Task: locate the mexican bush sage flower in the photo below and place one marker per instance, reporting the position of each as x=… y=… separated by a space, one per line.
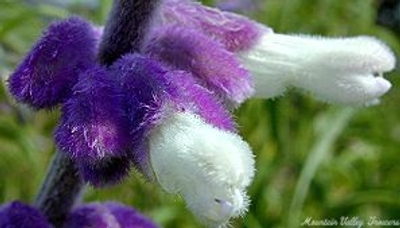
x=152 y=93
x=212 y=165
x=107 y=215
x=337 y=70
x=19 y=215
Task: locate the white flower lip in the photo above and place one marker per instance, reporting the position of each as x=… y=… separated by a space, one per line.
x=338 y=70
x=210 y=168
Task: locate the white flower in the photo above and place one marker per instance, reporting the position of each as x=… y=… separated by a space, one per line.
x=208 y=167
x=337 y=70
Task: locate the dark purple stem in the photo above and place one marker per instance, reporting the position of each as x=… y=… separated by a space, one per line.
x=60 y=190
x=125 y=30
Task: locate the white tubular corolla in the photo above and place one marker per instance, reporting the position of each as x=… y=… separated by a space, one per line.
x=337 y=70
x=208 y=167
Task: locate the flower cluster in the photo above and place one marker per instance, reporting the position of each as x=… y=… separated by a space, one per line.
x=166 y=111
x=99 y=215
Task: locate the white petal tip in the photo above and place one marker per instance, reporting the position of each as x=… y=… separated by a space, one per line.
x=209 y=167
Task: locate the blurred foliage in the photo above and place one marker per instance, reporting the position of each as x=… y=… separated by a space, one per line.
x=313 y=159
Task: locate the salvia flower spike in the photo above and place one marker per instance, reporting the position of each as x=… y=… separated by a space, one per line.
x=166 y=110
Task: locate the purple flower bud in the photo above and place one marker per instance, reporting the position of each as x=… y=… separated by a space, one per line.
x=93 y=124
x=235 y=32
x=46 y=75
x=19 y=215
x=107 y=215
x=189 y=50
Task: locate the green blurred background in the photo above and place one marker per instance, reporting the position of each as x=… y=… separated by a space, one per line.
x=313 y=159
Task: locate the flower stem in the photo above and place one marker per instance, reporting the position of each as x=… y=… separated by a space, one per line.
x=126 y=28
x=60 y=189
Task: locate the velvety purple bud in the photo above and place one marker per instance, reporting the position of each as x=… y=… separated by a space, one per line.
x=94 y=125
x=46 y=75
x=91 y=215
x=145 y=89
x=105 y=172
x=186 y=49
x=19 y=215
x=196 y=99
x=128 y=217
x=107 y=215
x=235 y=32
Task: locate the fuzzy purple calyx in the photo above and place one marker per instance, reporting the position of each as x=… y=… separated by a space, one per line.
x=93 y=123
x=49 y=71
x=94 y=128
x=107 y=215
x=192 y=97
x=235 y=32
x=145 y=91
x=152 y=90
x=18 y=215
x=189 y=50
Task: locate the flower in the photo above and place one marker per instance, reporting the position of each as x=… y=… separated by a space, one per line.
x=337 y=70
x=107 y=215
x=211 y=168
x=152 y=93
x=18 y=215
x=187 y=150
